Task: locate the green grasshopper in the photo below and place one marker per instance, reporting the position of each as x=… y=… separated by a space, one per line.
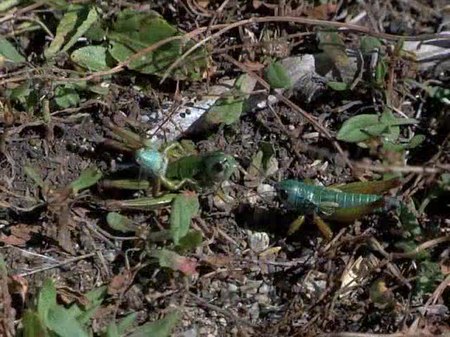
x=341 y=203
x=199 y=171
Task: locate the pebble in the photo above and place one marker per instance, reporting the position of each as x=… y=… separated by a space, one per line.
x=258 y=241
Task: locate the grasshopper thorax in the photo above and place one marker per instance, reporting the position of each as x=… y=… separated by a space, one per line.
x=296 y=195
x=152 y=162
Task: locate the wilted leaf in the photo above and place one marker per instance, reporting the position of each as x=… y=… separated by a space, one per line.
x=159 y=328
x=91 y=57
x=184 y=207
x=172 y=260
x=88 y=178
x=381 y=295
x=277 y=76
x=120 y=223
x=9 y=53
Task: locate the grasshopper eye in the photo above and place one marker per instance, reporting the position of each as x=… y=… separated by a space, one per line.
x=218 y=167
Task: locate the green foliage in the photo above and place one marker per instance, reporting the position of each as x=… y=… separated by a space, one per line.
x=190 y=241
x=8 y=53
x=184 y=207
x=226 y=110
x=120 y=223
x=429 y=275
x=87 y=178
x=160 y=328
x=277 y=76
x=66 y=96
x=135 y=30
x=50 y=319
x=363 y=127
x=92 y=58
x=338 y=86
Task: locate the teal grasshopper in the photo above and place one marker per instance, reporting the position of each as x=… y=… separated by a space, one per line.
x=195 y=170
x=340 y=203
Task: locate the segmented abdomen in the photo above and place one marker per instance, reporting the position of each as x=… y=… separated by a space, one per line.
x=318 y=195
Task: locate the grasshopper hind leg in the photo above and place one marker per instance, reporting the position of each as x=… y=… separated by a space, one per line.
x=323 y=227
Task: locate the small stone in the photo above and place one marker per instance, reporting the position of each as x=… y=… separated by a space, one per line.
x=232 y=288
x=258 y=241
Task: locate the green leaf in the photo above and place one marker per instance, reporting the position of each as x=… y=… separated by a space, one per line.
x=134 y=31
x=120 y=223
x=88 y=178
x=112 y=331
x=159 y=328
x=353 y=129
x=410 y=246
x=369 y=44
x=389 y=119
x=429 y=276
x=63 y=324
x=338 y=86
x=57 y=4
x=408 y=219
x=66 y=97
x=9 y=53
x=191 y=240
x=225 y=111
x=90 y=19
x=277 y=76
x=33 y=326
x=84 y=314
x=416 y=141
x=126 y=323
x=375 y=130
x=65 y=27
x=46 y=300
x=91 y=57
x=184 y=207
x=7 y=4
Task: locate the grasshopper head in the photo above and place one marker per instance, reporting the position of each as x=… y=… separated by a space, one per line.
x=287 y=192
x=219 y=166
